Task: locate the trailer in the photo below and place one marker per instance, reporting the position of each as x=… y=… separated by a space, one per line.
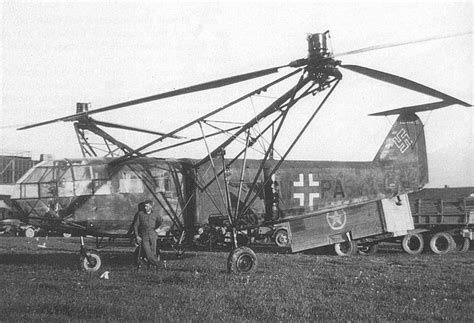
x=443 y=220
x=353 y=230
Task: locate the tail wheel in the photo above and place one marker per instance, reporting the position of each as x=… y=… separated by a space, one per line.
x=368 y=249
x=30 y=233
x=462 y=244
x=281 y=238
x=242 y=261
x=413 y=244
x=91 y=262
x=442 y=243
x=346 y=248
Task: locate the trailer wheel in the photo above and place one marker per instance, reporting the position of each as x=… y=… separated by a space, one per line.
x=242 y=261
x=30 y=233
x=462 y=244
x=413 y=244
x=346 y=248
x=442 y=243
x=281 y=238
x=368 y=249
x=90 y=262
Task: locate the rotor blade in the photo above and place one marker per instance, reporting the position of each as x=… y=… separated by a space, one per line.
x=190 y=89
x=377 y=47
x=415 y=108
x=403 y=82
x=119 y=126
x=12 y=126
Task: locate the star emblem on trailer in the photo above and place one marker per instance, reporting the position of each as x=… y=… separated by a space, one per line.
x=336 y=219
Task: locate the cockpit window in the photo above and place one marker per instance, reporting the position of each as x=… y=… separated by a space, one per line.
x=36 y=175
x=130 y=182
x=82 y=183
x=82 y=173
x=29 y=190
x=48 y=189
x=166 y=181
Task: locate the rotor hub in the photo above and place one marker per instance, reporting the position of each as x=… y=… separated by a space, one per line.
x=319 y=45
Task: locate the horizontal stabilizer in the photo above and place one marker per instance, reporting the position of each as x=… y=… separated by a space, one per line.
x=416 y=108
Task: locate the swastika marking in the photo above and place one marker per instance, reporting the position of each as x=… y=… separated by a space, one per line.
x=402 y=140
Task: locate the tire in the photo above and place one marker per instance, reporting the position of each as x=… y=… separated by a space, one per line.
x=30 y=233
x=281 y=238
x=370 y=249
x=462 y=244
x=413 y=244
x=91 y=263
x=67 y=235
x=346 y=248
x=242 y=261
x=442 y=243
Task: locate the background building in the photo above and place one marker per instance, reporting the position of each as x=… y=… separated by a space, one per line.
x=13 y=165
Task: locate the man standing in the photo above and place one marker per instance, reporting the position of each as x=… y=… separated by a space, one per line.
x=145 y=224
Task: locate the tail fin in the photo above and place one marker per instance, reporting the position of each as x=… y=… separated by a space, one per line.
x=402 y=155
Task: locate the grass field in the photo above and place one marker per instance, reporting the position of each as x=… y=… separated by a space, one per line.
x=45 y=284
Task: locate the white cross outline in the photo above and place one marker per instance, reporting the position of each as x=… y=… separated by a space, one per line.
x=300 y=182
x=301 y=196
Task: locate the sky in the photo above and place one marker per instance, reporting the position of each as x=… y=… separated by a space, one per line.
x=57 y=53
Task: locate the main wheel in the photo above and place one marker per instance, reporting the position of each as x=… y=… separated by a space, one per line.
x=413 y=244
x=462 y=244
x=368 y=249
x=242 y=261
x=346 y=248
x=30 y=233
x=91 y=262
x=281 y=238
x=442 y=243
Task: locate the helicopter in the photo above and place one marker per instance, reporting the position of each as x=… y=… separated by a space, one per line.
x=318 y=203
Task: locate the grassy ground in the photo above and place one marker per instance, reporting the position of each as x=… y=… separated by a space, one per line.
x=44 y=284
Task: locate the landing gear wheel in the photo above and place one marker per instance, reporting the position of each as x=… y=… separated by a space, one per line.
x=442 y=243
x=30 y=233
x=281 y=238
x=368 y=249
x=242 y=261
x=462 y=244
x=413 y=244
x=90 y=262
x=346 y=248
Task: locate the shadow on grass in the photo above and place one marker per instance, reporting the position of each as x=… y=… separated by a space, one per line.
x=70 y=260
x=56 y=260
